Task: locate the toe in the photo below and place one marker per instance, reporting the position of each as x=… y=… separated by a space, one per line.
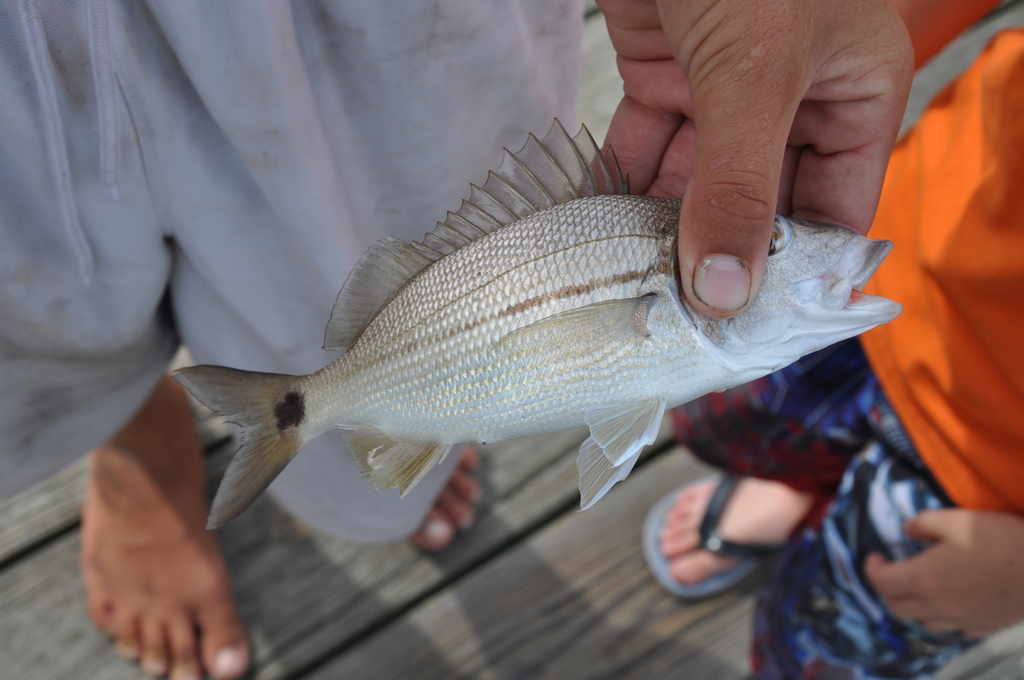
x=456 y=508
x=126 y=638
x=127 y=647
x=154 y=648
x=675 y=544
x=224 y=649
x=470 y=459
x=435 y=533
x=186 y=671
x=698 y=566
x=679 y=536
x=101 y=612
x=467 y=488
x=181 y=638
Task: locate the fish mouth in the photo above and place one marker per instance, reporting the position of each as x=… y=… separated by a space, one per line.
x=861 y=258
x=837 y=293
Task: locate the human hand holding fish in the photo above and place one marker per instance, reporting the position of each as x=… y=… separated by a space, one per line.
x=548 y=301
x=746 y=109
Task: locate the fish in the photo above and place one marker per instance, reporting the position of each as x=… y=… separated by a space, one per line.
x=550 y=300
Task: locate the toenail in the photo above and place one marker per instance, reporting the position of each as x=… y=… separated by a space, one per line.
x=154 y=666
x=185 y=671
x=438 y=530
x=229 y=662
x=127 y=649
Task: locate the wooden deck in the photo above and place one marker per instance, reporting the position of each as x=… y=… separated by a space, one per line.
x=533 y=590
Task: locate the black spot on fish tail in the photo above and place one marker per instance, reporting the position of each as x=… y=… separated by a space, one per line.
x=290 y=410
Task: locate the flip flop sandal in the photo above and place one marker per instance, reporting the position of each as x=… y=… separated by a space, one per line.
x=750 y=554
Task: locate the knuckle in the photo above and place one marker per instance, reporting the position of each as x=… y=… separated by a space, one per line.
x=743 y=195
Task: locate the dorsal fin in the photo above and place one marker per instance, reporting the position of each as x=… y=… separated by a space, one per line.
x=541 y=175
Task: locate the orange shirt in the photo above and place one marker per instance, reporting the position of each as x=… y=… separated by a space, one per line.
x=953 y=203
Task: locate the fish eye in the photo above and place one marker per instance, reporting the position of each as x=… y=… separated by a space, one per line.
x=782 y=235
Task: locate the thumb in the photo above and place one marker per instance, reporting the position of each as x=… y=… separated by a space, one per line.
x=745 y=92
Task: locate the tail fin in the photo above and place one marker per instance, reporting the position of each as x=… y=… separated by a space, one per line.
x=270 y=408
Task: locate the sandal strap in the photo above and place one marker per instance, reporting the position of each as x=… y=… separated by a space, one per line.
x=711 y=538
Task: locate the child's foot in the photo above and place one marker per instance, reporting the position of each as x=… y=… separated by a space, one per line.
x=453 y=510
x=760 y=511
x=155 y=580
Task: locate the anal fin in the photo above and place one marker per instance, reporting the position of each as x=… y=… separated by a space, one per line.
x=597 y=474
x=622 y=430
x=389 y=462
x=618 y=434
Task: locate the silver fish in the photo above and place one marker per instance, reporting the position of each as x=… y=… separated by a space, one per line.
x=548 y=301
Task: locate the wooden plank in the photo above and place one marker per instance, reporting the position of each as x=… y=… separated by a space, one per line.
x=573 y=601
x=37 y=513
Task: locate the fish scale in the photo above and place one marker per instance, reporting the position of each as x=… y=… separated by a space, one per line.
x=443 y=312
x=520 y=316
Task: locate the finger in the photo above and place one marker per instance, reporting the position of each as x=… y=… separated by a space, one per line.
x=790 y=163
x=743 y=110
x=930 y=525
x=842 y=188
x=977 y=632
x=908 y=608
x=843 y=163
x=657 y=84
x=676 y=164
x=892 y=580
x=639 y=136
x=939 y=624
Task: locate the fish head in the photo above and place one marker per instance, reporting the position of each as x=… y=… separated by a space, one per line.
x=810 y=298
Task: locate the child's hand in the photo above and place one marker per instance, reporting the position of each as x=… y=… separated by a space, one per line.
x=971 y=580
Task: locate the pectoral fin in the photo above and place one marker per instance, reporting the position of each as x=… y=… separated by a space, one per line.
x=389 y=462
x=623 y=430
x=597 y=474
x=591 y=325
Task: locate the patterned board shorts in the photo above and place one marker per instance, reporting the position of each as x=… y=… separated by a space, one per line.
x=824 y=426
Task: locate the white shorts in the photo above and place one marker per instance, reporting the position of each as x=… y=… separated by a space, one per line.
x=211 y=172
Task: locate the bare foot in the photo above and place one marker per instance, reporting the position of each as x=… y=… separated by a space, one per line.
x=760 y=511
x=154 y=578
x=453 y=510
